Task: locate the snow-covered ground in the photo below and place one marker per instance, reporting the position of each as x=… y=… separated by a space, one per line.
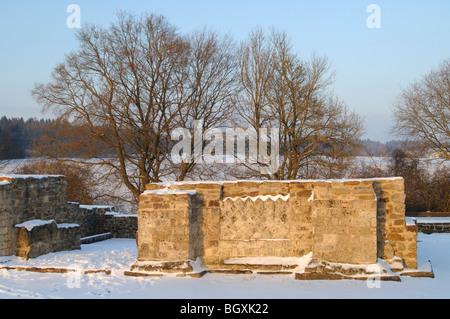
x=118 y=254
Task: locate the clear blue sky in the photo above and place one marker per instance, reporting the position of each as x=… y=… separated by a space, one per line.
x=372 y=65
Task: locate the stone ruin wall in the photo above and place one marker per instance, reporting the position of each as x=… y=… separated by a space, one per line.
x=25 y=199
x=36 y=218
x=348 y=221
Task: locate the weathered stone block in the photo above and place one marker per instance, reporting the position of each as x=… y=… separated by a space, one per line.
x=38 y=237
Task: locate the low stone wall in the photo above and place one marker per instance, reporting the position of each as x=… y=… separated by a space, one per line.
x=431 y=227
x=38 y=237
x=28 y=197
x=120 y=225
x=348 y=221
x=43 y=200
x=431 y=222
x=99 y=219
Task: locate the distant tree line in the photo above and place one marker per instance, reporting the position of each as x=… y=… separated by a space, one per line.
x=20 y=138
x=384 y=149
x=17 y=136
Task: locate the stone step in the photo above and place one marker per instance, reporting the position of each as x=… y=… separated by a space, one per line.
x=95 y=238
x=182 y=266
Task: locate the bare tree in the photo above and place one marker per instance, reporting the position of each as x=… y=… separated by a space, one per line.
x=422 y=111
x=212 y=71
x=130 y=86
x=80 y=182
x=317 y=133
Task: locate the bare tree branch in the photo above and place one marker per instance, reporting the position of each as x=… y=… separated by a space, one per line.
x=422 y=112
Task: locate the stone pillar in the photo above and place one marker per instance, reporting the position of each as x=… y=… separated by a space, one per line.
x=169 y=237
x=395 y=238
x=209 y=195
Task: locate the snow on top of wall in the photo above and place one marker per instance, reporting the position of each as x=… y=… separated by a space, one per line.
x=91 y=207
x=261 y=197
x=409 y=221
x=4 y=183
x=299 y=262
x=67 y=225
x=167 y=191
x=30 y=224
x=96 y=235
x=118 y=214
x=430 y=220
x=168 y=183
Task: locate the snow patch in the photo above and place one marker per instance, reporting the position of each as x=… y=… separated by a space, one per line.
x=93 y=236
x=168 y=184
x=67 y=225
x=432 y=220
x=30 y=224
x=91 y=207
x=119 y=254
x=117 y=214
x=167 y=191
x=366 y=268
x=409 y=221
x=299 y=262
x=197 y=266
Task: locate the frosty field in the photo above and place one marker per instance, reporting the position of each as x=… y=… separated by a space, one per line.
x=118 y=254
